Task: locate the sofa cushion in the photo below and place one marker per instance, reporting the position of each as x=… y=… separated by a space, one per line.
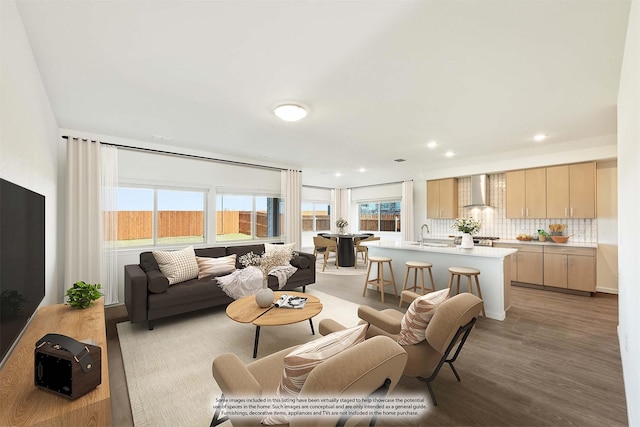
x=299 y=363
x=215 y=266
x=191 y=292
x=278 y=247
x=243 y=250
x=300 y=262
x=148 y=262
x=157 y=282
x=418 y=315
x=216 y=252
x=178 y=266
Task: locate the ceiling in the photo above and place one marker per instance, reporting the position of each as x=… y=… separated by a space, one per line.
x=380 y=79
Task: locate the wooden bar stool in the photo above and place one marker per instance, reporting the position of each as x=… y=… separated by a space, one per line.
x=466 y=271
x=380 y=281
x=417 y=266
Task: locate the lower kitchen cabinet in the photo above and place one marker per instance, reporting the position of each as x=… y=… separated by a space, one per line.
x=554 y=266
x=528 y=263
x=570 y=268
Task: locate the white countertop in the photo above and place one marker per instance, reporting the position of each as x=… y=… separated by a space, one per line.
x=477 y=251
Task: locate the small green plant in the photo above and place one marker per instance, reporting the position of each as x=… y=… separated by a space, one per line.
x=543 y=233
x=82 y=295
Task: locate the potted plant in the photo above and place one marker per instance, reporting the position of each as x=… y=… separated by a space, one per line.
x=82 y=295
x=542 y=235
x=467 y=226
x=342 y=224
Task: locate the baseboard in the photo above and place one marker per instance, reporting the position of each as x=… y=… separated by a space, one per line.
x=605 y=290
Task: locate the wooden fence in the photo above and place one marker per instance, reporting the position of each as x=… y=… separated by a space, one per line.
x=134 y=225
x=388 y=222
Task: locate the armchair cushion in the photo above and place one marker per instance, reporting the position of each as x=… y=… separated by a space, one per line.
x=157 y=282
x=415 y=321
x=299 y=363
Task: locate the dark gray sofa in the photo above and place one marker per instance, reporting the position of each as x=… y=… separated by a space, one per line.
x=149 y=297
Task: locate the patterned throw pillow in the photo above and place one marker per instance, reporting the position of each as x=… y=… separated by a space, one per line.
x=415 y=320
x=299 y=363
x=272 y=247
x=178 y=266
x=215 y=266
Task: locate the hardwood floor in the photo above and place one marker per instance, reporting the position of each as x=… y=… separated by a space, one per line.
x=554 y=360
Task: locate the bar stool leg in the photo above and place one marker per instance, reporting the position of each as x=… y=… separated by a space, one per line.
x=366 y=280
x=451 y=276
x=393 y=280
x=469 y=285
x=381 y=281
x=406 y=278
x=458 y=284
x=433 y=285
x=422 y=275
x=484 y=313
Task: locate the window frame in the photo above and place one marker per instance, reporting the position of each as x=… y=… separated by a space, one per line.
x=379 y=203
x=314 y=218
x=155 y=213
x=221 y=192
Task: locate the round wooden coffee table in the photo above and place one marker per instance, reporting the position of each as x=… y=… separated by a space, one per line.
x=245 y=310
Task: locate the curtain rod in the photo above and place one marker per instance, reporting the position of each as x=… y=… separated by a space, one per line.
x=190 y=156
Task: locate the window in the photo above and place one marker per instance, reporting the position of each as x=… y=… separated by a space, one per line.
x=157 y=216
x=383 y=216
x=247 y=217
x=316 y=216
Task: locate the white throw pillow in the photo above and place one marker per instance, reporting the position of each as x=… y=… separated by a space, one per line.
x=177 y=266
x=415 y=320
x=301 y=361
x=215 y=266
x=272 y=247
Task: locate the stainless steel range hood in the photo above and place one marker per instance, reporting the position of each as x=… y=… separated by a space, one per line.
x=479 y=194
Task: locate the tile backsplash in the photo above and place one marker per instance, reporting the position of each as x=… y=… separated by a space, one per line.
x=495 y=223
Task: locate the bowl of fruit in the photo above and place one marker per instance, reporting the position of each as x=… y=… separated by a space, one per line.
x=523 y=237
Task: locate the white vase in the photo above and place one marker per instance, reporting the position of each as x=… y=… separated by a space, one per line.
x=265 y=296
x=467 y=241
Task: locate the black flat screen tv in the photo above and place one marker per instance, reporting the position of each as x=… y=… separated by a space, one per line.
x=22 y=260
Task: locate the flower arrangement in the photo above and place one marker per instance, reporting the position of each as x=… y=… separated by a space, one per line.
x=267 y=261
x=467 y=225
x=342 y=223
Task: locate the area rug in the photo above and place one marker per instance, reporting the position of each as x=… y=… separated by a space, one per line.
x=331 y=269
x=168 y=370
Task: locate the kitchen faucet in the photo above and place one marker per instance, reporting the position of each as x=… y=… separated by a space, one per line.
x=422 y=233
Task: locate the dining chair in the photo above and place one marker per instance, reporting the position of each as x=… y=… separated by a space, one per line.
x=324 y=246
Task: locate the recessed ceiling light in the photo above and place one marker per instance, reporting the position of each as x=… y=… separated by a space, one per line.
x=540 y=137
x=290 y=112
x=449 y=153
x=338 y=174
x=362 y=170
x=432 y=144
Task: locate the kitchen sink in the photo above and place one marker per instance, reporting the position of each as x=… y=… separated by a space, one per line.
x=432 y=245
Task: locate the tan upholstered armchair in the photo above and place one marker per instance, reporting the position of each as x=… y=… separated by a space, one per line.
x=374 y=365
x=446 y=334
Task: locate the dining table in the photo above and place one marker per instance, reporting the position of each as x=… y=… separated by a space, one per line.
x=346 y=248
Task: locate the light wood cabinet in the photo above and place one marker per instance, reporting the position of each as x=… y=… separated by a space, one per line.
x=528 y=263
x=570 y=268
x=526 y=193
x=571 y=191
x=442 y=198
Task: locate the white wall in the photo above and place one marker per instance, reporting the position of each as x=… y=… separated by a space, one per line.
x=607 y=220
x=628 y=214
x=29 y=135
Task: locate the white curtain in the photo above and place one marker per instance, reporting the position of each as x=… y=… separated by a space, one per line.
x=340 y=200
x=292 y=181
x=406 y=213
x=109 y=227
x=89 y=167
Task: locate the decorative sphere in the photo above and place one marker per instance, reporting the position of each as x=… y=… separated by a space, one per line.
x=264 y=297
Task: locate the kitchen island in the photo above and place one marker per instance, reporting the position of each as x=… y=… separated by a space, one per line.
x=494 y=276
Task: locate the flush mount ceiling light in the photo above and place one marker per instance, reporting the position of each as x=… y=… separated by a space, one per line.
x=432 y=144
x=449 y=153
x=290 y=112
x=540 y=137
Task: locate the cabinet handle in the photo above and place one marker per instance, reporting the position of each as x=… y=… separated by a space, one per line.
x=522 y=212
x=571 y=212
x=565 y=212
x=527 y=212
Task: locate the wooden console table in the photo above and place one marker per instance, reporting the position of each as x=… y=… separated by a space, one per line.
x=24 y=404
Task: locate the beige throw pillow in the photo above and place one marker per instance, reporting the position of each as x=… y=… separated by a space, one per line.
x=177 y=266
x=216 y=266
x=415 y=320
x=299 y=363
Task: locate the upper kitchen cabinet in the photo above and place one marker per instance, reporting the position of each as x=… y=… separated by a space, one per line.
x=571 y=191
x=442 y=198
x=526 y=193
